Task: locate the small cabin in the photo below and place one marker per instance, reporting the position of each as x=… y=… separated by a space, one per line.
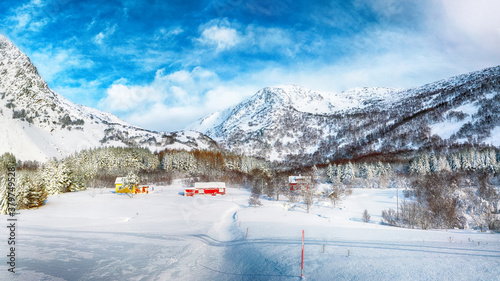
x=120 y=188
x=299 y=182
x=209 y=188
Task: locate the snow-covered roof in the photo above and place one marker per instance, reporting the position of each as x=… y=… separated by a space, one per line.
x=209 y=184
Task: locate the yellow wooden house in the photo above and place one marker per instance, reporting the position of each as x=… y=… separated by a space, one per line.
x=120 y=188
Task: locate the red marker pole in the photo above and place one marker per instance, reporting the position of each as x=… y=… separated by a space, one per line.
x=302 y=260
x=246 y=236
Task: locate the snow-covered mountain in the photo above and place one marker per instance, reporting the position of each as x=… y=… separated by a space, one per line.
x=297 y=124
x=37 y=123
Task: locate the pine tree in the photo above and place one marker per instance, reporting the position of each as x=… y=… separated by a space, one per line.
x=4 y=196
x=347 y=172
x=490 y=161
x=31 y=193
x=442 y=165
x=56 y=177
x=130 y=180
x=454 y=162
x=380 y=169
x=433 y=163
x=366 y=171
x=7 y=160
x=420 y=165
x=466 y=161
x=331 y=173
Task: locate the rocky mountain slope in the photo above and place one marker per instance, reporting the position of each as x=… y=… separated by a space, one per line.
x=37 y=123
x=291 y=123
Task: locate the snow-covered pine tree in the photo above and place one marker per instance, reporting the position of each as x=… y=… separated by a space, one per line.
x=4 y=197
x=166 y=161
x=442 y=164
x=466 y=161
x=22 y=191
x=150 y=161
x=380 y=169
x=30 y=191
x=347 y=172
x=491 y=164
x=56 y=177
x=433 y=163
x=420 y=165
x=7 y=160
x=130 y=180
x=454 y=162
x=331 y=172
x=367 y=173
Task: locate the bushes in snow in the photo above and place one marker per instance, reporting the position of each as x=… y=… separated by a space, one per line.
x=448 y=200
x=366 y=216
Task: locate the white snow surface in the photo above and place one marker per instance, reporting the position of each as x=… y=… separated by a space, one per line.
x=99 y=235
x=447 y=128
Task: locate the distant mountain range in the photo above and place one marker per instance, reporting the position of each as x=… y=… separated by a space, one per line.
x=298 y=125
x=284 y=123
x=37 y=123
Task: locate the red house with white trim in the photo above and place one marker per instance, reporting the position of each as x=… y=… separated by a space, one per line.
x=299 y=182
x=209 y=188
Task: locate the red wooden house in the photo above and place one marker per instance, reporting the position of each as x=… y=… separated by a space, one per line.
x=299 y=182
x=209 y=188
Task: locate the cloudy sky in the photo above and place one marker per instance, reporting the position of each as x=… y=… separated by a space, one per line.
x=164 y=64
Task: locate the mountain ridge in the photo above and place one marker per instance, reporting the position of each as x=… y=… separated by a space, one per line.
x=292 y=125
x=286 y=123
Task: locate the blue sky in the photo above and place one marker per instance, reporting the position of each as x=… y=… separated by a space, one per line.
x=164 y=64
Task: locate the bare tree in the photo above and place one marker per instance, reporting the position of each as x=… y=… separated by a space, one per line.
x=308 y=196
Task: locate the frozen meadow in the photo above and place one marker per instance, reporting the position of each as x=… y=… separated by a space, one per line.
x=99 y=235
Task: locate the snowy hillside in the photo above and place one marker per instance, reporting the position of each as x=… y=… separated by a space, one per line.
x=163 y=235
x=290 y=122
x=38 y=124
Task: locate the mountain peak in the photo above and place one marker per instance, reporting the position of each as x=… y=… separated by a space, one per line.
x=39 y=124
x=295 y=123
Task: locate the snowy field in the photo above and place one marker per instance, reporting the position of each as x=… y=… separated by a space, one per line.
x=166 y=236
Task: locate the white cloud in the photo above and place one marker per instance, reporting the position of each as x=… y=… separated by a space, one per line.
x=52 y=62
x=221 y=36
x=252 y=38
x=28 y=17
x=101 y=36
x=471 y=29
x=169 y=102
x=164 y=33
x=271 y=40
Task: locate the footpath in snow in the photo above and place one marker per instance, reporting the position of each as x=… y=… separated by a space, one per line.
x=166 y=236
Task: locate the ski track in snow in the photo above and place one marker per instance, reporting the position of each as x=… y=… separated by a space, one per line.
x=166 y=236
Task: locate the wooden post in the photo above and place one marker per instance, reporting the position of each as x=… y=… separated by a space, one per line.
x=302 y=259
x=246 y=236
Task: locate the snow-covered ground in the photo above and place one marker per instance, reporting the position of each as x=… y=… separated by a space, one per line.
x=166 y=236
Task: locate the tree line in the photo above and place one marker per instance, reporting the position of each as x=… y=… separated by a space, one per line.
x=453 y=188
x=99 y=167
